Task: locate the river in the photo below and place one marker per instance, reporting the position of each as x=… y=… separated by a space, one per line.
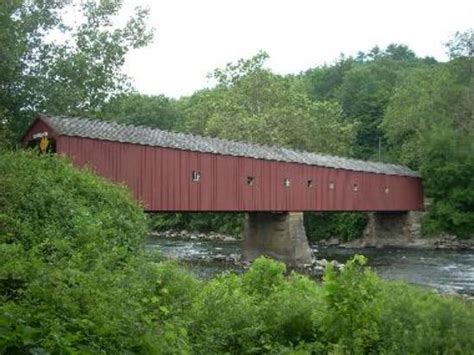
x=444 y=270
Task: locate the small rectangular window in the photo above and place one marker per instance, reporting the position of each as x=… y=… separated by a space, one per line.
x=196 y=176
x=286 y=182
x=332 y=186
x=250 y=180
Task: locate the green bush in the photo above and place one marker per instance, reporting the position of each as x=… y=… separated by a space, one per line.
x=261 y=311
x=353 y=308
x=70 y=249
x=352 y=311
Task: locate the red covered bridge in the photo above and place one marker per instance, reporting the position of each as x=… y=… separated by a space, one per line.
x=181 y=172
x=175 y=172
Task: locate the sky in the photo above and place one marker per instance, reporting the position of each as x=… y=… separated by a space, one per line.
x=194 y=37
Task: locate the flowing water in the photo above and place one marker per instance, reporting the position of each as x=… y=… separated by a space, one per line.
x=445 y=270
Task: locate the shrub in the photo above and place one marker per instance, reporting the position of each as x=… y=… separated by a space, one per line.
x=353 y=308
x=70 y=246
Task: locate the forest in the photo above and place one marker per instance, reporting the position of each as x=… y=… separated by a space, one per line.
x=74 y=277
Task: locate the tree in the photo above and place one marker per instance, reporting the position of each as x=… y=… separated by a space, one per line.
x=429 y=126
x=427 y=98
x=250 y=103
x=322 y=82
x=462 y=45
x=448 y=168
x=51 y=65
x=367 y=88
x=152 y=111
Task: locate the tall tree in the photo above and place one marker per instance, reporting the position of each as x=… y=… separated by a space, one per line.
x=429 y=125
x=51 y=65
x=251 y=103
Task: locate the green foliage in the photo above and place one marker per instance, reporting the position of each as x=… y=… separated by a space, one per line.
x=346 y=226
x=73 y=280
x=61 y=64
x=70 y=245
x=353 y=309
x=250 y=103
x=227 y=223
x=418 y=322
x=449 y=167
x=143 y=110
x=429 y=126
x=385 y=98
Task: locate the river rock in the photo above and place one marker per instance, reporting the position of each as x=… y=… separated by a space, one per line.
x=187 y=235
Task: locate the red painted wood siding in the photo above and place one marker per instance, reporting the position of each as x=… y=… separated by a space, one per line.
x=38 y=126
x=161 y=179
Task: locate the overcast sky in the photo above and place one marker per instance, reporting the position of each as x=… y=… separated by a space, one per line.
x=195 y=36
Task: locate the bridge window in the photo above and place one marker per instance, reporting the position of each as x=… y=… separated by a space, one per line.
x=332 y=186
x=286 y=182
x=250 y=180
x=309 y=183
x=196 y=176
x=355 y=187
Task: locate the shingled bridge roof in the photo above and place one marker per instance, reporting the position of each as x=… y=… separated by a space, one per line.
x=115 y=132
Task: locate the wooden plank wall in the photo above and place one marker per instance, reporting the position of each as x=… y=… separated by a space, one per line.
x=161 y=179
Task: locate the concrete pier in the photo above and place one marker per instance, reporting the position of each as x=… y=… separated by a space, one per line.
x=280 y=236
x=391 y=227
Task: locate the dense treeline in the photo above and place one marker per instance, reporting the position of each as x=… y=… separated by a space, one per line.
x=384 y=104
x=74 y=279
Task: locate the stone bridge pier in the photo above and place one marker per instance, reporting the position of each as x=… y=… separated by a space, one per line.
x=392 y=228
x=280 y=236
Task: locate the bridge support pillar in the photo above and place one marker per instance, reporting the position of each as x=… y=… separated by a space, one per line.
x=388 y=228
x=278 y=235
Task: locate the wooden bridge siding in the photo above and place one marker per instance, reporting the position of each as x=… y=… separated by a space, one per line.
x=161 y=178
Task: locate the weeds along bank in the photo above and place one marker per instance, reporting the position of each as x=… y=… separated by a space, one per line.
x=73 y=279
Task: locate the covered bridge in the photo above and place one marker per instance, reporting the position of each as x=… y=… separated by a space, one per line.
x=176 y=172
x=185 y=173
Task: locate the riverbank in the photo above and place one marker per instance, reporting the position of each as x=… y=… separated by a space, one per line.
x=190 y=235
x=447 y=271
x=441 y=242
x=195 y=253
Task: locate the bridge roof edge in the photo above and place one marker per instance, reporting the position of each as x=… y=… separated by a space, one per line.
x=124 y=133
